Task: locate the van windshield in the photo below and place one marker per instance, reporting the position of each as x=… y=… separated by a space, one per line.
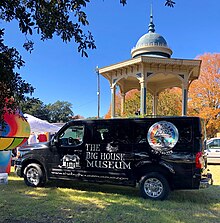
x=73 y=135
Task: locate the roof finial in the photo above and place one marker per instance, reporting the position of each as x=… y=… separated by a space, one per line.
x=151 y=24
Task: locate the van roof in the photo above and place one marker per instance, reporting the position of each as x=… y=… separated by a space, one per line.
x=136 y=118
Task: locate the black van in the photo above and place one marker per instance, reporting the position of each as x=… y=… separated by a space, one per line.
x=159 y=154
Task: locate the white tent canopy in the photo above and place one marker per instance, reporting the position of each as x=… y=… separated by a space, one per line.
x=37 y=125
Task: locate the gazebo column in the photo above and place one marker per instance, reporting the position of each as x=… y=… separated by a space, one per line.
x=113 y=101
x=143 y=97
x=184 y=98
x=155 y=103
x=122 y=103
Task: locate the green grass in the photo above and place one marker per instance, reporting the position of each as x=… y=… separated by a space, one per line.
x=83 y=202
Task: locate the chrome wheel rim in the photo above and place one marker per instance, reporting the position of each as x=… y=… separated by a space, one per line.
x=153 y=187
x=33 y=176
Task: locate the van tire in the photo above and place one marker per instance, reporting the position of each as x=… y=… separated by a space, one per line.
x=154 y=186
x=34 y=176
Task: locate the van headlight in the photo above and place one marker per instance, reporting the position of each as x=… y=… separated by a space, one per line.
x=20 y=153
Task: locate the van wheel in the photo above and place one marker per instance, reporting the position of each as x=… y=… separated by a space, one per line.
x=34 y=176
x=154 y=186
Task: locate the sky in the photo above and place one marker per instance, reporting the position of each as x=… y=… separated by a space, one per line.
x=58 y=72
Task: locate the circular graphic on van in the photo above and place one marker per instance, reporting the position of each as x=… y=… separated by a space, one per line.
x=162 y=136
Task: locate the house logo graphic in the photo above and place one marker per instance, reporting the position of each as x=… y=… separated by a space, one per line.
x=70 y=162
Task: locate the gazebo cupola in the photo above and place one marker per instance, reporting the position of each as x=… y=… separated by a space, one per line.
x=151 y=44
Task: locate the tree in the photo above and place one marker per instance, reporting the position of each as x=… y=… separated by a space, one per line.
x=35 y=107
x=170 y=102
x=204 y=93
x=60 y=111
x=132 y=103
x=12 y=87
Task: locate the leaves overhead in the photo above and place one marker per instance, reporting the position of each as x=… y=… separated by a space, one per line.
x=63 y=18
x=170 y=3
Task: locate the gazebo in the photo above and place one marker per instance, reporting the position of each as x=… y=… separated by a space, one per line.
x=151 y=69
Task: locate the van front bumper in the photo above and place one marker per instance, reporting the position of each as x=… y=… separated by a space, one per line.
x=206 y=181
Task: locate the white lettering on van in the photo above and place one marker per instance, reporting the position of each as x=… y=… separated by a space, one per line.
x=91 y=155
x=92 y=147
x=108 y=164
x=107 y=160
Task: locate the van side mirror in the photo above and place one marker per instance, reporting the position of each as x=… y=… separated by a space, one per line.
x=54 y=141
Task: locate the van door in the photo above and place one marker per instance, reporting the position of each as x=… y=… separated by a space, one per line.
x=67 y=161
x=109 y=157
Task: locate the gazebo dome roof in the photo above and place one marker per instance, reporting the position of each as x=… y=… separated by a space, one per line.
x=151 y=44
x=151 y=39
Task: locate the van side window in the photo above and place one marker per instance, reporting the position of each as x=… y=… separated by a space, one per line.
x=102 y=134
x=185 y=134
x=185 y=138
x=72 y=136
x=110 y=134
x=140 y=132
x=140 y=135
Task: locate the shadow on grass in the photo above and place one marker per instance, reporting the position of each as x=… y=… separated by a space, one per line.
x=95 y=187
x=210 y=195
x=73 y=201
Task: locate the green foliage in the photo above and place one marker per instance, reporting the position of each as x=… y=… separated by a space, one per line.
x=12 y=87
x=132 y=104
x=35 y=107
x=60 y=111
x=170 y=103
x=170 y=3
